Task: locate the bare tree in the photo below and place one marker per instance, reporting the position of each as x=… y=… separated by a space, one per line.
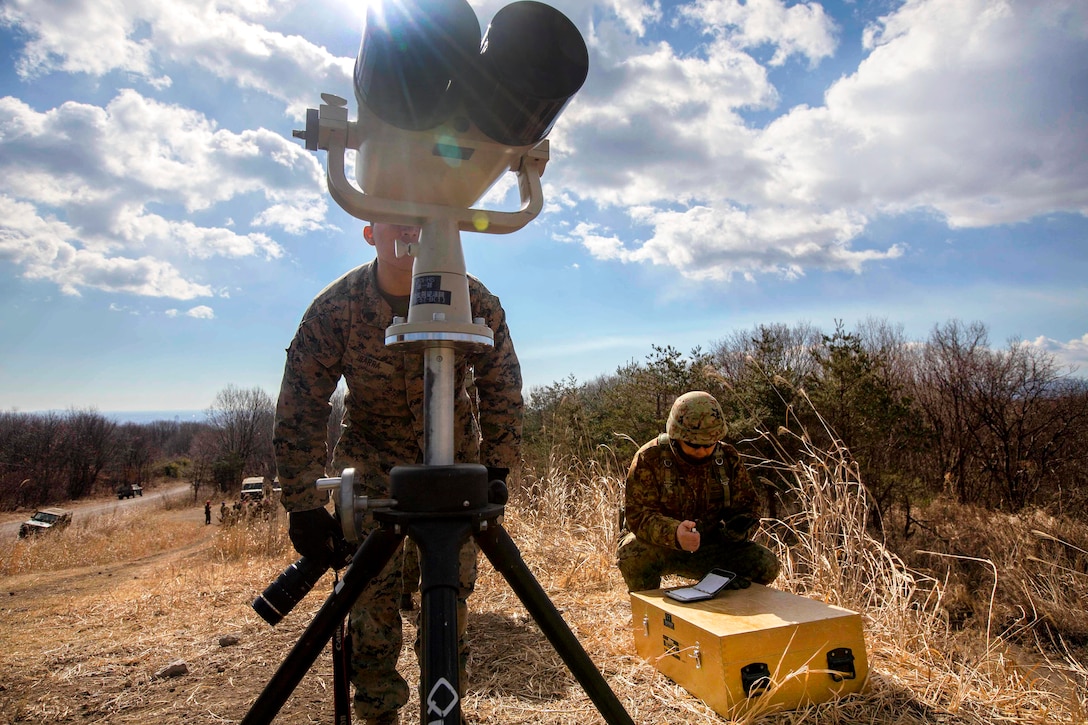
x=86 y=448
x=28 y=446
x=133 y=454
x=1027 y=413
x=946 y=369
x=241 y=423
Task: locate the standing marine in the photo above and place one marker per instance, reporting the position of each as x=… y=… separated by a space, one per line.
x=342 y=337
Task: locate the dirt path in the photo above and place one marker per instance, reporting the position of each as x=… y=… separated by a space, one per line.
x=86 y=580
x=10 y=521
x=85 y=644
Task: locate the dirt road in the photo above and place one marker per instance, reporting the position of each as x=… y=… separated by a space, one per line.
x=9 y=522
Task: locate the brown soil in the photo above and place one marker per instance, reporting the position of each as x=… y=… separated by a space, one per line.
x=85 y=645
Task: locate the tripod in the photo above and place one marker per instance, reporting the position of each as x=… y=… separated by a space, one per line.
x=439 y=532
x=439 y=504
x=408 y=175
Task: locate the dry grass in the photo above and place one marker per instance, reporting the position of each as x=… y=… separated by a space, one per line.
x=119 y=536
x=84 y=644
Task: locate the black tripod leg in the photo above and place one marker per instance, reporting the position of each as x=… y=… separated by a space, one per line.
x=341 y=685
x=505 y=557
x=440 y=544
x=368 y=562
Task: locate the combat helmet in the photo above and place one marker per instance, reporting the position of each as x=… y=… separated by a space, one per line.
x=697 y=418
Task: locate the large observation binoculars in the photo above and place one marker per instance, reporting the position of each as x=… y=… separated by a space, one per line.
x=444 y=112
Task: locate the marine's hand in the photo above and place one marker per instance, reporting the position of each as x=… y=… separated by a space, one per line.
x=687 y=536
x=739 y=582
x=315 y=534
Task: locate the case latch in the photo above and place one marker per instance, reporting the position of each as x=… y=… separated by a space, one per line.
x=841 y=663
x=697 y=655
x=756 y=679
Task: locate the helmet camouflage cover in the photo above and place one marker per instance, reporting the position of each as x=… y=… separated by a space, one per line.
x=696 y=417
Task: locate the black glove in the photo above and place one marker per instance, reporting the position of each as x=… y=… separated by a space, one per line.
x=739 y=527
x=739 y=582
x=316 y=535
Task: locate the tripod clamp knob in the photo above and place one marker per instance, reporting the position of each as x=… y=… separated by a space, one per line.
x=352 y=508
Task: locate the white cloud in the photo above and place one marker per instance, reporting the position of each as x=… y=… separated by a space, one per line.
x=1073 y=353
x=95 y=172
x=803 y=28
x=714 y=243
x=970 y=108
x=45 y=249
x=636 y=15
x=973 y=108
x=201 y=312
x=657 y=126
x=99 y=36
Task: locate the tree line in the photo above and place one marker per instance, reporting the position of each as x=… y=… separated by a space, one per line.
x=51 y=457
x=1005 y=427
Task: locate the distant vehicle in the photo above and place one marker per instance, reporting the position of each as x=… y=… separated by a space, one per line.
x=253 y=489
x=129 y=490
x=44 y=520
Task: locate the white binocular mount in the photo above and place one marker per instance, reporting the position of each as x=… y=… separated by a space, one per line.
x=440 y=318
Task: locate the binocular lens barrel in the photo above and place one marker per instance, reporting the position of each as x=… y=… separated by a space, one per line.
x=532 y=63
x=411 y=50
x=281 y=596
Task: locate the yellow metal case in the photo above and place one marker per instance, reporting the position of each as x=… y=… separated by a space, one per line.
x=752 y=649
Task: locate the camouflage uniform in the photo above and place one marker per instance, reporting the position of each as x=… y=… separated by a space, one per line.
x=343 y=335
x=663 y=489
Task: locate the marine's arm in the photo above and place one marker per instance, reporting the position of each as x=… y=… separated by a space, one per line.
x=310 y=376
x=497 y=376
x=643 y=505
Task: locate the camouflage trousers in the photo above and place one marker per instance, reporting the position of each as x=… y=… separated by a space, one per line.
x=643 y=565
x=374 y=627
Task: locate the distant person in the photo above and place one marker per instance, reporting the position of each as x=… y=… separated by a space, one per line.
x=207 y=512
x=342 y=336
x=690 y=505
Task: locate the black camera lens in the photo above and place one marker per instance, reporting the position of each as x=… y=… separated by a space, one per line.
x=281 y=596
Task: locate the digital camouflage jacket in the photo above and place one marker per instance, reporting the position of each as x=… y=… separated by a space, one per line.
x=342 y=334
x=663 y=490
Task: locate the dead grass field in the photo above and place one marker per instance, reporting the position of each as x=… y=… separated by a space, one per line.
x=88 y=617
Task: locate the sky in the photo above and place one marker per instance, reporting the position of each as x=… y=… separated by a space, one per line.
x=725 y=165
